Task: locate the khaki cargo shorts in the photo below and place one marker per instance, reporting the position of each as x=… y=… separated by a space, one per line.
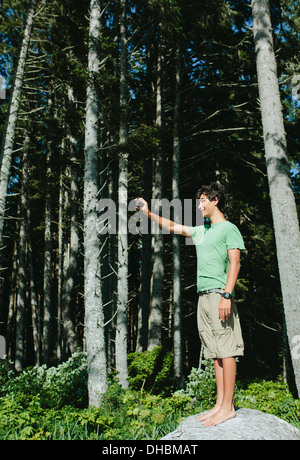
x=220 y=339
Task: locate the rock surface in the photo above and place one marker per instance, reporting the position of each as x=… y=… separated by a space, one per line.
x=247 y=425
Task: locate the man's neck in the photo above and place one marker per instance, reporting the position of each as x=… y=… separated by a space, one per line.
x=217 y=217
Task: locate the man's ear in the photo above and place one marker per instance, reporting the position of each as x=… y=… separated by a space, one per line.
x=215 y=201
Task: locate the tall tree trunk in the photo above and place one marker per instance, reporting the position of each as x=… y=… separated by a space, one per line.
x=12 y=116
x=111 y=284
x=73 y=247
x=177 y=336
x=21 y=295
x=146 y=250
x=94 y=316
x=12 y=302
x=156 y=305
x=146 y=264
x=122 y=303
x=47 y=266
x=60 y=236
x=286 y=225
x=69 y=279
x=35 y=316
x=121 y=326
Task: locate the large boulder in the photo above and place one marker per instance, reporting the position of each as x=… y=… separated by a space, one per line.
x=247 y=425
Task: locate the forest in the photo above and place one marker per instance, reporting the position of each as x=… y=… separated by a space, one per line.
x=105 y=101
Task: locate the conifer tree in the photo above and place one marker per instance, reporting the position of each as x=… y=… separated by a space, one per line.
x=94 y=315
x=121 y=324
x=285 y=219
x=12 y=115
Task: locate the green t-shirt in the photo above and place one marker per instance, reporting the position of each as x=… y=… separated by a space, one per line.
x=212 y=244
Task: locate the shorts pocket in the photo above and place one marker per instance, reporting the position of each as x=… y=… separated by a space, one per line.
x=225 y=342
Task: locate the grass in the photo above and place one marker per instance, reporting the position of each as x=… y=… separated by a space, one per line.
x=35 y=404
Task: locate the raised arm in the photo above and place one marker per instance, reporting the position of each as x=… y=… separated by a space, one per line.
x=166 y=224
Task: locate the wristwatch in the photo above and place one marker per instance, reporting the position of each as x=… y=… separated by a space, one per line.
x=227 y=295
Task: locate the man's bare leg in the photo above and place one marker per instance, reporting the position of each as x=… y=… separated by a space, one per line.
x=220 y=391
x=226 y=411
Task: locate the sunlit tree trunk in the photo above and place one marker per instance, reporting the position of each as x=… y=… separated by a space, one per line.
x=94 y=316
x=70 y=273
x=121 y=326
x=286 y=225
x=12 y=116
x=177 y=335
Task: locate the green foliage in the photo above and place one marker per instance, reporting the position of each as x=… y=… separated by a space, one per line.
x=67 y=383
x=267 y=396
x=123 y=414
x=270 y=397
x=7 y=372
x=19 y=417
x=152 y=371
x=201 y=385
x=56 y=386
x=34 y=403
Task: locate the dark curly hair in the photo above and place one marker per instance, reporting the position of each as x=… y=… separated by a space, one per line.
x=213 y=191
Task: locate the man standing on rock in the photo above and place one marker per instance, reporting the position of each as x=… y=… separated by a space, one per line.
x=218 y=247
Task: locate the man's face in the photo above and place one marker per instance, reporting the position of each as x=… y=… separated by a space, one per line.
x=207 y=207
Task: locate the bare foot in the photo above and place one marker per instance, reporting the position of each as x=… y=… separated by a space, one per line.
x=208 y=414
x=219 y=417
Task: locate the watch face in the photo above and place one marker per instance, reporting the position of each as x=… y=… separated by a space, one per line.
x=226 y=295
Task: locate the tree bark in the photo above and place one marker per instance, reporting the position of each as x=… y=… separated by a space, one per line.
x=21 y=294
x=60 y=237
x=47 y=267
x=121 y=326
x=156 y=305
x=177 y=336
x=69 y=279
x=10 y=128
x=94 y=317
x=35 y=310
x=73 y=247
x=286 y=225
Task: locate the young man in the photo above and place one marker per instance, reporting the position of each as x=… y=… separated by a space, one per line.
x=218 y=249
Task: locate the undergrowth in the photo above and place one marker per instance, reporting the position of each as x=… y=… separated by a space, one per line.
x=52 y=404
